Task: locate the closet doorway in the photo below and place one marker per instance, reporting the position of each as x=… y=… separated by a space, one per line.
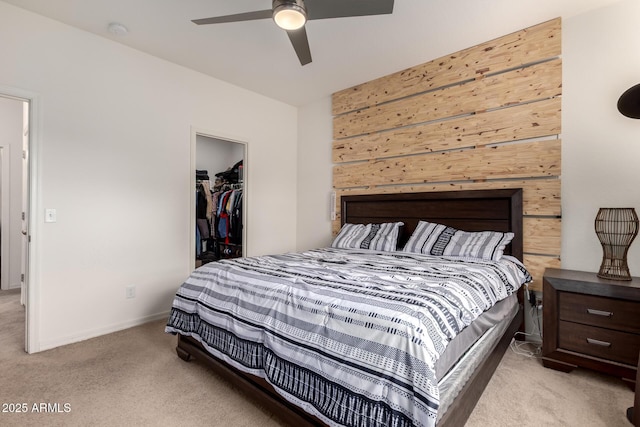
x=219 y=201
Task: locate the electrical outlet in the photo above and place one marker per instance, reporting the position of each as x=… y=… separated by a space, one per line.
x=130 y=291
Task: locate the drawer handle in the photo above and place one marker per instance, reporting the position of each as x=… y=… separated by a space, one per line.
x=599 y=312
x=598 y=342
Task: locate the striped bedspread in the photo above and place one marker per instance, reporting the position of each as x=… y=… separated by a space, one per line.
x=351 y=336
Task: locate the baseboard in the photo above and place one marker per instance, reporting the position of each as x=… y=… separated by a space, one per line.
x=12 y=286
x=48 y=345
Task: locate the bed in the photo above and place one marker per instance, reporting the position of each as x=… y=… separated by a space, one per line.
x=306 y=386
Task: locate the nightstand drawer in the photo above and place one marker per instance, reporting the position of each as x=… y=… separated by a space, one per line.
x=599 y=311
x=598 y=342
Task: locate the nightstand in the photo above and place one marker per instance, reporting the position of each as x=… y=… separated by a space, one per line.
x=590 y=322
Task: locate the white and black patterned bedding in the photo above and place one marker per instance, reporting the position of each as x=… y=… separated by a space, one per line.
x=351 y=336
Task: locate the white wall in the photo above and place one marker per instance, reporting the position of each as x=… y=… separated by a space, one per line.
x=114 y=160
x=216 y=155
x=315 y=174
x=11 y=127
x=600 y=147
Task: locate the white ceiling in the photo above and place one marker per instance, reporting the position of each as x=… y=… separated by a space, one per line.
x=258 y=56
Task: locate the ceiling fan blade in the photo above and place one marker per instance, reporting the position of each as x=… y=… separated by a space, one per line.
x=247 y=16
x=301 y=45
x=323 y=9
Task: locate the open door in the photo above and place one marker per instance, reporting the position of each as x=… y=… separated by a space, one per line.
x=5 y=217
x=24 y=270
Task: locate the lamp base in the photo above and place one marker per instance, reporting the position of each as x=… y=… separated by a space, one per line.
x=614 y=277
x=614 y=270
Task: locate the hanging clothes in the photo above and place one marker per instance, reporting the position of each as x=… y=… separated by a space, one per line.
x=203 y=214
x=236 y=219
x=223 y=216
x=229 y=216
x=225 y=219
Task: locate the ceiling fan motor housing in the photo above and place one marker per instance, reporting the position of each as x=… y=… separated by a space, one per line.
x=289 y=14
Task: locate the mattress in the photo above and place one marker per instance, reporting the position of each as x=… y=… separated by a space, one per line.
x=351 y=336
x=456 y=378
x=500 y=312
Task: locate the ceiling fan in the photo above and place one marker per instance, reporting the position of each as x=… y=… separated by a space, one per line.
x=291 y=16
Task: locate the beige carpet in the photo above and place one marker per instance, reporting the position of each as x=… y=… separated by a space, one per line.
x=134 y=377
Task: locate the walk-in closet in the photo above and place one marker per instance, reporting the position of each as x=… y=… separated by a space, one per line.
x=220 y=183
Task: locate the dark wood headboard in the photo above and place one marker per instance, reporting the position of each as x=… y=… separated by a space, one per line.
x=475 y=210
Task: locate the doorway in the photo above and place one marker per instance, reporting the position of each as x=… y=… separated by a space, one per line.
x=219 y=202
x=12 y=140
x=15 y=144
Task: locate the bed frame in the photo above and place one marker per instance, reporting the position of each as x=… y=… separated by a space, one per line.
x=476 y=210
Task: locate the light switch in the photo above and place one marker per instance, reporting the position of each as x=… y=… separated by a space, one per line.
x=50 y=215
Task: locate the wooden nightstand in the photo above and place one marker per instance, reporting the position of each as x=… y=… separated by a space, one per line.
x=590 y=322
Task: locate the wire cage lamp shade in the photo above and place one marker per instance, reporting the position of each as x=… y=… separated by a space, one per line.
x=616 y=228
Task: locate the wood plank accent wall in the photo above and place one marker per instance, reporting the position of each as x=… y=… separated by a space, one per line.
x=485 y=117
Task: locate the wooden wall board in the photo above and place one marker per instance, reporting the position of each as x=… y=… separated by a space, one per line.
x=521 y=160
x=542 y=235
x=536 y=264
x=540 y=197
x=510 y=51
x=522 y=85
x=507 y=124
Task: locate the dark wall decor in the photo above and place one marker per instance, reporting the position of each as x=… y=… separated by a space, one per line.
x=629 y=102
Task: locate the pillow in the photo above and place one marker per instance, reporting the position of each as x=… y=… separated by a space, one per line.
x=377 y=237
x=441 y=240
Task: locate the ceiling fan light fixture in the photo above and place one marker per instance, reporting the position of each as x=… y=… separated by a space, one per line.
x=289 y=15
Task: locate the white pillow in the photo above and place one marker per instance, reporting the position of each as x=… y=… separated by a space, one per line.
x=377 y=237
x=441 y=240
